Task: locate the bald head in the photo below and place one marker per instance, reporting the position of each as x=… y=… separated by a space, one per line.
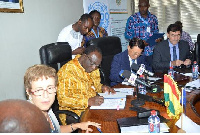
x=20 y=116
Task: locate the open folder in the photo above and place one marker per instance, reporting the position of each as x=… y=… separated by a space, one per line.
x=152 y=40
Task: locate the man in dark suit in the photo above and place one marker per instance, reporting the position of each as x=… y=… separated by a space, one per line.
x=171 y=52
x=124 y=60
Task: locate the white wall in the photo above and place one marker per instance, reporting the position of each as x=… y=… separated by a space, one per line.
x=22 y=34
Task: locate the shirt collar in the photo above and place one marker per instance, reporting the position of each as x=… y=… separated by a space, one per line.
x=171 y=45
x=148 y=14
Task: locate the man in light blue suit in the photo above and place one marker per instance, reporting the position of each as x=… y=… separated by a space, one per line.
x=124 y=60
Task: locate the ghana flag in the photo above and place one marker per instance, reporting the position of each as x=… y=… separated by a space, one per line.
x=172 y=97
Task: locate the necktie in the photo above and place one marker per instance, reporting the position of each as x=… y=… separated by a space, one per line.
x=174 y=53
x=133 y=61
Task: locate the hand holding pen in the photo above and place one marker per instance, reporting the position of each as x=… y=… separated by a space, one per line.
x=95 y=101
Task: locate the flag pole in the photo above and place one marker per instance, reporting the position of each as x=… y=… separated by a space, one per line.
x=181 y=130
x=182 y=110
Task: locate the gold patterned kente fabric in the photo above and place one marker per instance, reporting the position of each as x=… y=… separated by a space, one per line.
x=75 y=87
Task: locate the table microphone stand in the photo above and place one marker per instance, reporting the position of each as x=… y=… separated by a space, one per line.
x=145 y=77
x=138 y=101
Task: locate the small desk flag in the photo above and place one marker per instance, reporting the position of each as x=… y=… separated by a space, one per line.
x=172 y=97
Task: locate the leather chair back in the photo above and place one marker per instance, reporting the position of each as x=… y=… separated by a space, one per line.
x=197 y=49
x=55 y=54
x=109 y=46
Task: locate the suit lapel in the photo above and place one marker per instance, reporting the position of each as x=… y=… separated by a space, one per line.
x=140 y=60
x=166 y=51
x=180 y=51
x=126 y=60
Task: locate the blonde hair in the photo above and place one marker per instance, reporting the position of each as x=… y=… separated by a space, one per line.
x=38 y=71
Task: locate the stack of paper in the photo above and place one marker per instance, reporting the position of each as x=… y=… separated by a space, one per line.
x=195 y=83
x=116 y=95
x=115 y=103
x=112 y=101
x=128 y=91
x=143 y=129
x=153 y=79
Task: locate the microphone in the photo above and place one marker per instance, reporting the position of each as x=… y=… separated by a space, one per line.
x=141 y=69
x=132 y=78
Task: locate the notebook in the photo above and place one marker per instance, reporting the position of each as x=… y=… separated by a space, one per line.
x=152 y=39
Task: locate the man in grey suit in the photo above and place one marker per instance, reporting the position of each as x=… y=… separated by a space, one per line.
x=171 y=52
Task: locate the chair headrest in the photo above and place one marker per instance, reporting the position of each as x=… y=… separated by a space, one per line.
x=109 y=45
x=59 y=53
x=198 y=38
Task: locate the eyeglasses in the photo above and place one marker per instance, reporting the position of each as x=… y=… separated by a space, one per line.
x=39 y=92
x=178 y=35
x=92 y=63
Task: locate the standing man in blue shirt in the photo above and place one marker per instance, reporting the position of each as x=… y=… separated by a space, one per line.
x=142 y=25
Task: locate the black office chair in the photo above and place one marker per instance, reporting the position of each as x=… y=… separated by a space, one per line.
x=197 y=50
x=109 y=46
x=56 y=54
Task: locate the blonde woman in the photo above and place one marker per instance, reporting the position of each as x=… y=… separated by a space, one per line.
x=40 y=82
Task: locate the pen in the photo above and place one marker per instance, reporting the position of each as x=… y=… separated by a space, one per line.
x=99 y=130
x=97 y=94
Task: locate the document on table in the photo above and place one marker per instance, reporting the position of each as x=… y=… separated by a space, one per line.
x=111 y=103
x=154 y=78
x=126 y=83
x=188 y=125
x=143 y=129
x=128 y=91
x=186 y=74
x=116 y=95
x=195 y=83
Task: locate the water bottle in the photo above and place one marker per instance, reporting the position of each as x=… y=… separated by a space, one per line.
x=142 y=88
x=154 y=122
x=171 y=72
x=195 y=69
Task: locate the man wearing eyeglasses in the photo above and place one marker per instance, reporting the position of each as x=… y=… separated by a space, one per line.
x=79 y=82
x=171 y=52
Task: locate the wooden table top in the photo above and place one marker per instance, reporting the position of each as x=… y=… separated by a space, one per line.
x=108 y=118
